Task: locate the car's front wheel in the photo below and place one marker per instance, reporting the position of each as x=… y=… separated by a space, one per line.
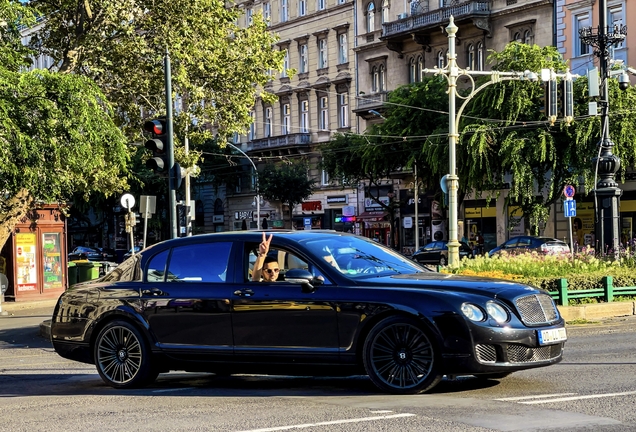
x=399 y=357
x=442 y=261
x=122 y=356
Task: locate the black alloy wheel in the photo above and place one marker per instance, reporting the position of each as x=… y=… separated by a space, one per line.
x=442 y=260
x=122 y=356
x=399 y=357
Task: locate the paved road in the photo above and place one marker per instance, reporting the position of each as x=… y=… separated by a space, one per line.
x=593 y=389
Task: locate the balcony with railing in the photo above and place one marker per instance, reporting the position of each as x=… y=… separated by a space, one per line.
x=370 y=102
x=282 y=144
x=424 y=21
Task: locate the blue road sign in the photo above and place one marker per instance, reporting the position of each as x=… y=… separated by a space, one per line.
x=569 y=208
x=569 y=191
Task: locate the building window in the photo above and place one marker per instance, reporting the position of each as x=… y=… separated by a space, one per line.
x=304 y=116
x=385 y=11
x=249 y=16
x=252 y=132
x=321 y=4
x=324 y=113
x=615 y=19
x=419 y=75
x=527 y=37
x=370 y=17
x=268 y=122
x=480 y=56
x=302 y=63
x=284 y=10
x=381 y=78
x=412 y=71
x=580 y=22
x=324 y=180
x=471 y=56
x=286 y=115
x=440 y=59
x=342 y=1
x=285 y=64
x=343 y=110
x=342 y=48
x=322 y=53
x=375 y=78
x=267 y=12
x=302 y=7
x=517 y=37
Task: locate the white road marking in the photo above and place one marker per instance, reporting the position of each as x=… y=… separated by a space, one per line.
x=518 y=398
x=174 y=389
x=566 y=399
x=333 y=422
x=381 y=412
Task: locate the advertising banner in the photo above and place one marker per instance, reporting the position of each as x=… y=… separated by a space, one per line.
x=26 y=262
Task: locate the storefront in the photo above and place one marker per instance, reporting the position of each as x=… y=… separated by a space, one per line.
x=479 y=218
x=34 y=258
x=311 y=217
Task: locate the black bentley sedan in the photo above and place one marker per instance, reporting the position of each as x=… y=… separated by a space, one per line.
x=342 y=305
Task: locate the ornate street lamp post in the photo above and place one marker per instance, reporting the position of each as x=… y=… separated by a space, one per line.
x=605 y=164
x=452 y=72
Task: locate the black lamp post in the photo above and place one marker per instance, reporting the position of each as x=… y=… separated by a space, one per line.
x=606 y=193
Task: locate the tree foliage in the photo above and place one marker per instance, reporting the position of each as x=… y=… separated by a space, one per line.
x=58 y=136
x=217 y=66
x=287 y=183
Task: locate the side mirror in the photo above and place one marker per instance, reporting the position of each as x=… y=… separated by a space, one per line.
x=302 y=277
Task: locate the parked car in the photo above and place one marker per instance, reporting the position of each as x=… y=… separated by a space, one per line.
x=85 y=253
x=437 y=253
x=129 y=253
x=108 y=254
x=546 y=245
x=342 y=305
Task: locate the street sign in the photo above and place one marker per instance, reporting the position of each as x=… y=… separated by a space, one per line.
x=569 y=208
x=569 y=191
x=127 y=201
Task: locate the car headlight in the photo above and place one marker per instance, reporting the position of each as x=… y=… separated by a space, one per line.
x=473 y=312
x=497 y=312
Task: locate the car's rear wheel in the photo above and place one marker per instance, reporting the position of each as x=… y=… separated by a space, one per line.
x=399 y=357
x=122 y=356
x=442 y=261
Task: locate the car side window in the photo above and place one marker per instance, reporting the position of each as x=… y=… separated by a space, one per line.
x=157 y=267
x=510 y=243
x=525 y=241
x=199 y=262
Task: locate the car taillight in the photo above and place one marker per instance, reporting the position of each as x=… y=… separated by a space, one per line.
x=544 y=248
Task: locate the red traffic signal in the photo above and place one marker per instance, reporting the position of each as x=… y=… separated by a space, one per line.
x=155 y=127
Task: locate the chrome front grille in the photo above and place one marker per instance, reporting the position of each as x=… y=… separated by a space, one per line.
x=537 y=309
x=486 y=353
x=524 y=354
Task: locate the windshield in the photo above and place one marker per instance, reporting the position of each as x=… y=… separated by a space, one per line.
x=361 y=257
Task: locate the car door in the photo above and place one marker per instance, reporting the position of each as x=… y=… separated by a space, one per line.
x=186 y=300
x=283 y=321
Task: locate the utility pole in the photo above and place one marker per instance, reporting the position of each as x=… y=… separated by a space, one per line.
x=605 y=164
x=172 y=193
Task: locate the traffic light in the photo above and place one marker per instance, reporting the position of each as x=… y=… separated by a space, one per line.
x=158 y=144
x=551 y=100
x=568 y=100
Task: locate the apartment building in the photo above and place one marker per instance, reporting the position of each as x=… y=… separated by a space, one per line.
x=315 y=96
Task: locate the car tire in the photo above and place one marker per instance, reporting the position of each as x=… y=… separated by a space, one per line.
x=399 y=357
x=122 y=356
x=442 y=261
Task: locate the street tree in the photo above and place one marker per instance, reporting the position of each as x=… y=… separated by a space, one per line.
x=505 y=135
x=218 y=67
x=287 y=183
x=58 y=134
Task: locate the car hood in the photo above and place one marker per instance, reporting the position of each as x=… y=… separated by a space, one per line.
x=455 y=283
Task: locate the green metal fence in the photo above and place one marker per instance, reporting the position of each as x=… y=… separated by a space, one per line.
x=606 y=292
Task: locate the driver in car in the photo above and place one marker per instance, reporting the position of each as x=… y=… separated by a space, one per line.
x=266 y=269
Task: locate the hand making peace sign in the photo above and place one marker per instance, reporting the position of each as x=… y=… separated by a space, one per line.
x=263 y=247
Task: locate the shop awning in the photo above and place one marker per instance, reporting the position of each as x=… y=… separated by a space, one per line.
x=372 y=216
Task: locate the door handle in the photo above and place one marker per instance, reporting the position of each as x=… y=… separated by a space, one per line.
x=244 y=292
x=153 y=292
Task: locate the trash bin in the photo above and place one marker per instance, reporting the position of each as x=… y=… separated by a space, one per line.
x=72 y=274
x=84 y=270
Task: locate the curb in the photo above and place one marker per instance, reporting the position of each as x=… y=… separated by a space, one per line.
x=597 y=310
x=45 y=329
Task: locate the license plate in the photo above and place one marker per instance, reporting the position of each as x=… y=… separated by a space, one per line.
x=551 y=336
